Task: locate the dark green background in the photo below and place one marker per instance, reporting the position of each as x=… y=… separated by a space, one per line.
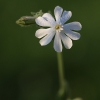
x=29 y=71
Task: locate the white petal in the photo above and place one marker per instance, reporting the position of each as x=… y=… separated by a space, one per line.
x=66 y=16
x=58 y=12
x=66 y=41
x=42 y=32
x=73 y=26
x=47 y=39
x=57 y=42
x=73 y=35
x=42 y=22
x=49 y=18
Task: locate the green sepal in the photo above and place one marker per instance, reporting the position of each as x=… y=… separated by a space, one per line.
x=37 y=14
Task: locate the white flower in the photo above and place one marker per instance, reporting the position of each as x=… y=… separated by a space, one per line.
x=62 y=32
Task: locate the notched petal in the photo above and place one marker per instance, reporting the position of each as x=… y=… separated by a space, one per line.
x=42 y=22
x=49 y=18
x=47 y=39
x=73 y=35
x=42 y=32
x=66 y=16
x=58 y=12
x=66 y=41
x=73 y=26
x=57 y=43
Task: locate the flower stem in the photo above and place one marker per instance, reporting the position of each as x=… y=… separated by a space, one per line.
x=61 y=74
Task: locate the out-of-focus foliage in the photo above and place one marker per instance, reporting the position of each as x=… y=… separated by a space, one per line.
x=29 y=71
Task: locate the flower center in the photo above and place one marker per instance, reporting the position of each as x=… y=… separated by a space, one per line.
x=57 y=27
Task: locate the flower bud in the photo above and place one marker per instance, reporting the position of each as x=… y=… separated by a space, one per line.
x=29 y=20
x=26 y=21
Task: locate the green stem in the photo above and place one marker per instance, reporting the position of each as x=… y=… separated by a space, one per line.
x=61 y=73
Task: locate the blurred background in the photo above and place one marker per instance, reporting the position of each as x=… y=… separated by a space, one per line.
x=29 y=71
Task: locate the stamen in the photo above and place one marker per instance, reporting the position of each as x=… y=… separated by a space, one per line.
x=57 y=27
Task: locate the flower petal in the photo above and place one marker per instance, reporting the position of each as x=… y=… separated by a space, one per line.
x=57 y=42
x=42 y=32
x=58 y=12
x=73 y=35
x=49 y=18
x=42 y=22
x=73 y=26
x=47 y=39
x=66 y=41
x=66 y=16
